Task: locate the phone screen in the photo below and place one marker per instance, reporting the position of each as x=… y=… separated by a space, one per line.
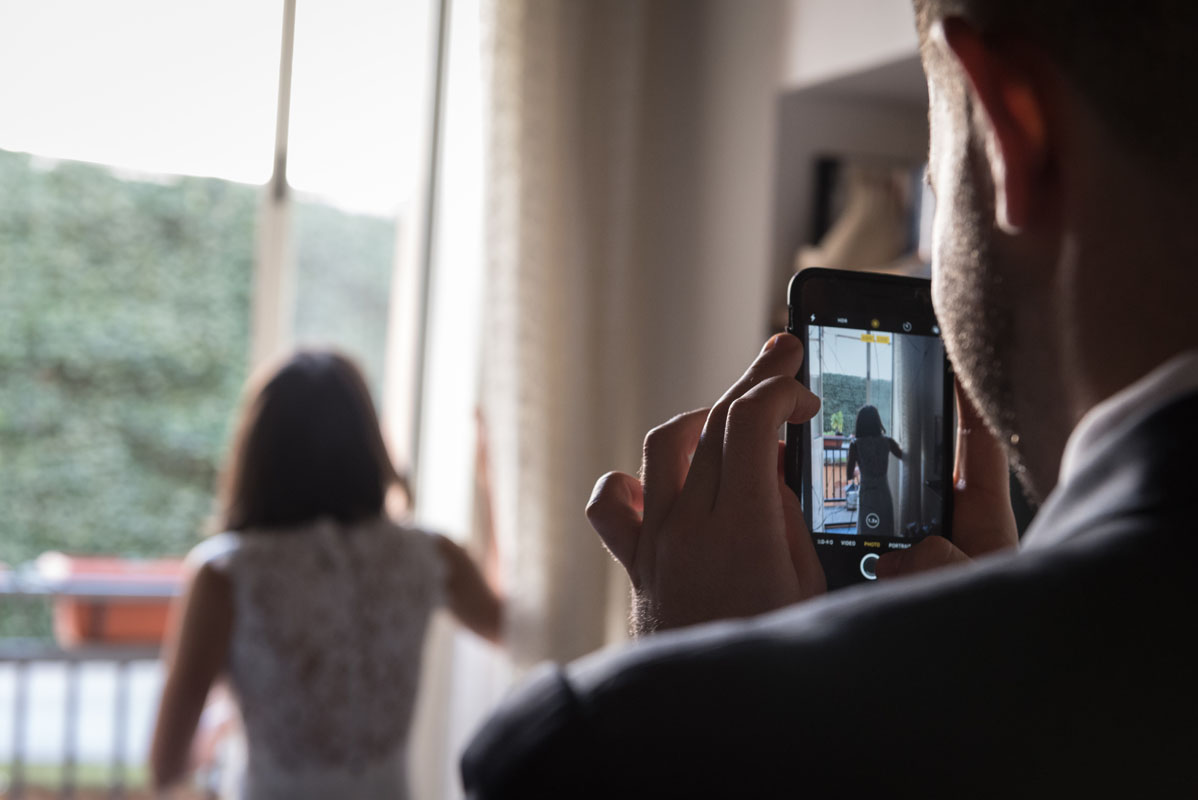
x=872 y=465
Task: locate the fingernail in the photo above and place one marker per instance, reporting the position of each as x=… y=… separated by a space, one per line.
x=772 y=343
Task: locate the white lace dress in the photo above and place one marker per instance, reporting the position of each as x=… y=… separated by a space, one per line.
x=329 y=623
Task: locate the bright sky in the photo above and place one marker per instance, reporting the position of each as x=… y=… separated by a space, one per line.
x=844 y=353
x=184 y=87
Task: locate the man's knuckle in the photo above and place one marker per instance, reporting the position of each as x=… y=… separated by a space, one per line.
x=743 y=407
x=660 y=439
x=762 y=396
x=782 y=383
x=720 y=410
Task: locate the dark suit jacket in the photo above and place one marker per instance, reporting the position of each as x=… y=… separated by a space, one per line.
x=1067 y=669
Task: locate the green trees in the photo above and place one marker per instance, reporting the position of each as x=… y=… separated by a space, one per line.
x=843 y=396
x=124 y=343
x=124 y=337
x=343 y=266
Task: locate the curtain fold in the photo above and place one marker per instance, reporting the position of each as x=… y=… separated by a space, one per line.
x=625 y=249
x=627 y=265
x=559 y=343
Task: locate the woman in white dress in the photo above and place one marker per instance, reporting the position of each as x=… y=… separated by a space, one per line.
x=313 y=604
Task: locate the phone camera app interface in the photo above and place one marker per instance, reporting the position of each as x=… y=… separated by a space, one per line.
x=877 y=477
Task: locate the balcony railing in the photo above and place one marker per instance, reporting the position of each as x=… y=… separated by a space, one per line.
x=57 y=690
x=23 y=660
x=836 y=472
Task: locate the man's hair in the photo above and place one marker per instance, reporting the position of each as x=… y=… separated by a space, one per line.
x=1134 y=61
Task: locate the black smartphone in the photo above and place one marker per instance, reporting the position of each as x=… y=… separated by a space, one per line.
x=873 y=468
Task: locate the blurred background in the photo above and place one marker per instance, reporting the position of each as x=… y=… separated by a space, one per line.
x=578 y=215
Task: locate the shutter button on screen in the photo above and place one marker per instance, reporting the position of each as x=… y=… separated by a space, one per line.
x=867 y=566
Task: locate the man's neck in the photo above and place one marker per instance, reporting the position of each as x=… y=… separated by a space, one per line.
x=1124 y=297
x=1133 y=296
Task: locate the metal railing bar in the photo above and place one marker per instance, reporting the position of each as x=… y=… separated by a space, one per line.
x=121 y=698
x=23 y=654
x=20 y=689
x=37 y=650
x=91 y=588
x=70 y=713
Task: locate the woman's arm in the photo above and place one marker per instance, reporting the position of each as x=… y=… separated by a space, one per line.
x=894 y=448
x=852 y=465
x=471 y=599
x=475 y=595
x=197 y=645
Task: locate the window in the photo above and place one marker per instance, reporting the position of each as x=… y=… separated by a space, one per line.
x=132 y=136
x=136 y=141
x=138 y=151
x=353 y=156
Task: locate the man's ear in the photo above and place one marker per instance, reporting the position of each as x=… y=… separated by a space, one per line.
x=1005 y=88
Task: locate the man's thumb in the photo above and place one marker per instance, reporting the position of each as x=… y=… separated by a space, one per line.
x=932 y=553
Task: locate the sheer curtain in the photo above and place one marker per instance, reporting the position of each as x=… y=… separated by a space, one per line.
x=627 y=222
x=561 y=344
x=622 y=276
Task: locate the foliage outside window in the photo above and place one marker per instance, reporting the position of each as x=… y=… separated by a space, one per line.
x=124 y=342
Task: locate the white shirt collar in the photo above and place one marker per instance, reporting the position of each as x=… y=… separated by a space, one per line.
x=1176 y=377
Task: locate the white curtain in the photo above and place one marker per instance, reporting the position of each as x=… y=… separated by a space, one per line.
x=561 y=348
x=625 y=276
x=627 y=228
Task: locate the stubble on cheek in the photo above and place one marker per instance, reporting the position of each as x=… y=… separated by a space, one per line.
x=973 y=303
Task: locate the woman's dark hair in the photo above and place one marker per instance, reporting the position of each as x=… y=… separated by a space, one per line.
x=869 y=422
x=308 y=445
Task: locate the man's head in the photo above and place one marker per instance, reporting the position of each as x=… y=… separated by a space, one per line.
x=1057 y=125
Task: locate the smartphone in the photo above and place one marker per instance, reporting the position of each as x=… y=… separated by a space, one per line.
x=873 y=468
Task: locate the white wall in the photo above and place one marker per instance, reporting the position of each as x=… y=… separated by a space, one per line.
x=828 y=38
x=716 y=297
x=815 y=123
x=743 y=97
x=724 y=171
x=782 y=82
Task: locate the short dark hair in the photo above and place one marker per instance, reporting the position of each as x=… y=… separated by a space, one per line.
x=308 y=445
x=869 y=422
x=1134 y=62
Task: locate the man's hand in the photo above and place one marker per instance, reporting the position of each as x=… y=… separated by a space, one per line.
x=718 y=535
x=982 y=518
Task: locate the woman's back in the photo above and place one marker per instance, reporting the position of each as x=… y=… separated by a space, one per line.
x=324 y=657
x=317 y=624
x=873 y=455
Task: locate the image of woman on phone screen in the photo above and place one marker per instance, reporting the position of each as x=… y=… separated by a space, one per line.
x=868 y=462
